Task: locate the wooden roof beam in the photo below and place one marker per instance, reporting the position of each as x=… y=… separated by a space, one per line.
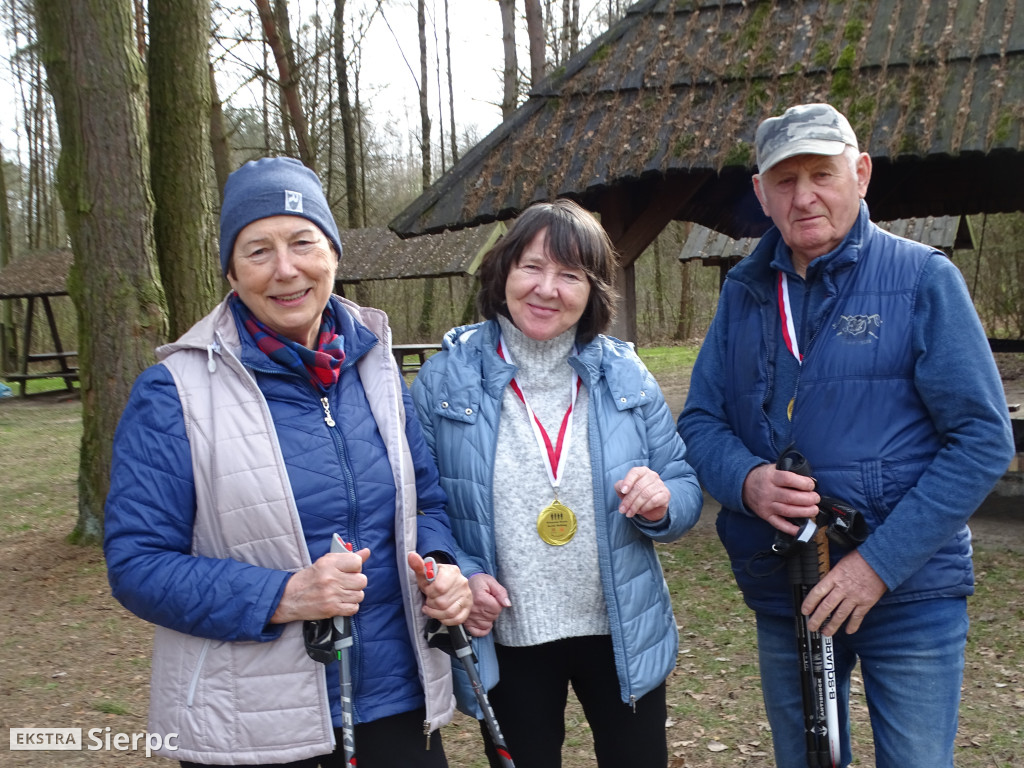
x=633 y=216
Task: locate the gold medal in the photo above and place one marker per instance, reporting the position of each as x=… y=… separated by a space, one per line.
x=789 y=409
x=556 y=524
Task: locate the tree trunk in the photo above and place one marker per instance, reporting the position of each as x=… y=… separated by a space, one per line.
x=423 y=327
x=181 y=158
x=98 y=86
x=140 y=28
x=361 y=151
x=427 y=311
x=535 y=33
x=564 y=32
x=421 y=21
x=684 y=327
x=289 y=82
x=574 y=29
x=451 y=84
x=348 y=121
x=219 y=144
x=510 y=92
x=440 y=103
x=8 y=345
x=659 y=286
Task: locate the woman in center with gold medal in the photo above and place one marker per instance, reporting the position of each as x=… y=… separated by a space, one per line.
x=562 y=466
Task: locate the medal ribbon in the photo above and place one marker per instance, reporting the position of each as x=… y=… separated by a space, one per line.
x=555 y=455
x=786 y=313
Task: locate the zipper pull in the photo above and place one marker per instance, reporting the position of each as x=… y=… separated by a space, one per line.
x=632 y=703
x=327 y=412
x=211 y=364
x=426 y=732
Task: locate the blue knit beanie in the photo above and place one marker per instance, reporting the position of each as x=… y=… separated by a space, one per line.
x=272 y=186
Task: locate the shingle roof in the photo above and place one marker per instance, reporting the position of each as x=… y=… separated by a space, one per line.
x=37 y=273
x=377 y=253
x=935 y=91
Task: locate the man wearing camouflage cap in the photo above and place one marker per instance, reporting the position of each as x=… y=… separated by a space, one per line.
x=862 y=351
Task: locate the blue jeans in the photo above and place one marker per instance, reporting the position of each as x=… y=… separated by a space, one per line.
x=912 y=663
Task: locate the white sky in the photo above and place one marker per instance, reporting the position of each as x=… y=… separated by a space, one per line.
x=476 y=63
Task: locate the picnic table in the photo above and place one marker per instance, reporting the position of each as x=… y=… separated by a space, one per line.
x=411 y=356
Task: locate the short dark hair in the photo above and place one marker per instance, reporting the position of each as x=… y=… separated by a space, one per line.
x=574 y=239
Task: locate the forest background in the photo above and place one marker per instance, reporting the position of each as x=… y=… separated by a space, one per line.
x=126 y=116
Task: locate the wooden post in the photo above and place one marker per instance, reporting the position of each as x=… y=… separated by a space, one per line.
x=633 y=218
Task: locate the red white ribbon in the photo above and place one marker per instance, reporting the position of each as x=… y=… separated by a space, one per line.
x=786 y=313
x=554 y=455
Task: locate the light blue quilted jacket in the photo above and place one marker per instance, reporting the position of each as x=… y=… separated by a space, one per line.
x=458 y=395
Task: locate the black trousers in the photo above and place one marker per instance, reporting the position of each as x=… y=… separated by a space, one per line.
x=529 y=704
x=391 y=742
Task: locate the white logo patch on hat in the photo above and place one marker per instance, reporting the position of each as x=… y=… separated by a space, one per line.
x=292 y=201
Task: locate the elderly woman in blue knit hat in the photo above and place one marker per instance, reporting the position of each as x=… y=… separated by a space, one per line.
x=277 y=421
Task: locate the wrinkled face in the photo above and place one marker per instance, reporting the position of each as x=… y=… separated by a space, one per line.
x=283 y=267
x=814 y=201
x=545 y=298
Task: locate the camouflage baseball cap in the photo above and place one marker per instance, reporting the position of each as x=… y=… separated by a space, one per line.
x=807 y=129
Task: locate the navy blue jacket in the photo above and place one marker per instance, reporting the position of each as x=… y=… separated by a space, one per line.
x=341 y=482
x=898 y=406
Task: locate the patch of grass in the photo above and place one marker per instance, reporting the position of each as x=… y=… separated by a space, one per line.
x=45 y=438
x=111 y=708
x=667 y=361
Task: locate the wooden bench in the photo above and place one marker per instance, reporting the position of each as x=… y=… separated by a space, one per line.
x=67 y=372
x=70 y=376
x=419 y=353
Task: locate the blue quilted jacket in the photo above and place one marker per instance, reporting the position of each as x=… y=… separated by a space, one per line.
x=458 y=395
x=898 y=407
x=341 y=482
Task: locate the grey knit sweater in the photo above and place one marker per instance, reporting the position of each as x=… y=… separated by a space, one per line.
x=555 y=591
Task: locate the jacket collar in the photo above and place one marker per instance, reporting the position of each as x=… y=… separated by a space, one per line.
x=219 y=327
x=473 y=361
x=757 y=271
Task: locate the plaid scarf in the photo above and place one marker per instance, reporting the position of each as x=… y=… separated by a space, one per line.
x=321 y=365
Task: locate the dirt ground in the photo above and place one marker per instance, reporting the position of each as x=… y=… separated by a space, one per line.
x=72 y=657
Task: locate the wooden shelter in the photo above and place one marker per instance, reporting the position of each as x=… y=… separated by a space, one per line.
x=377 y=253
x=39 y=277
x=654 y=121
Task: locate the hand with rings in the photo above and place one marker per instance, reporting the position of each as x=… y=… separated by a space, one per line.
x=447 y=598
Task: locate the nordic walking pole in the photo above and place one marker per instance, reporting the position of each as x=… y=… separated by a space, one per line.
x=817 y=666
x=828 y=660
x=463 y=651
x=343 y=646
x=808 y=562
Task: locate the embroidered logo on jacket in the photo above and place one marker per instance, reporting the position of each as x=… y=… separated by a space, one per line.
x=858 y=329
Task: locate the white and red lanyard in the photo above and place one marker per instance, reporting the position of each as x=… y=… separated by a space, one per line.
x=786 y=313
x=554 y=455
